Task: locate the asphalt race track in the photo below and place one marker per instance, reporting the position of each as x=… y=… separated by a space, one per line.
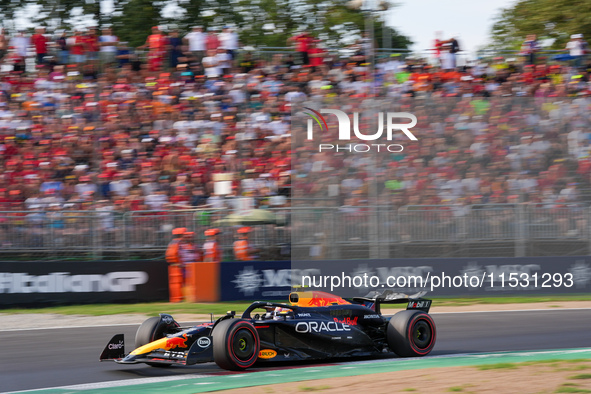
x=58 y=357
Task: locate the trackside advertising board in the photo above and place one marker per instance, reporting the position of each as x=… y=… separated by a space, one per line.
x=82 y=282
x=255 y=280
x=79 y=282
x=451 y=277
x=447 y=277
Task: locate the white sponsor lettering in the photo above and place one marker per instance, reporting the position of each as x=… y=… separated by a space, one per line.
x=250 y=280
x=371 y=316
x=305 y=327
x=581 y=273
x=204 y=342
x=114 y=346
x=169 y=354
x=63 y=282
x=277 y=278
x=418 y=304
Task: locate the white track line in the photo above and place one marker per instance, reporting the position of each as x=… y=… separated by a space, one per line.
x=117 y=383
x=523 y=353
x=130 y=382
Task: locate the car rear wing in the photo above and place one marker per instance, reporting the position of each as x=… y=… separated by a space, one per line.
x=414 y=301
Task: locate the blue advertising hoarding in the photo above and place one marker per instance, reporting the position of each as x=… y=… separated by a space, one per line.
x=461 y=277
x=255 y=280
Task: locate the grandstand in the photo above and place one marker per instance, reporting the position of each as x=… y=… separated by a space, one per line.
x=102 y=156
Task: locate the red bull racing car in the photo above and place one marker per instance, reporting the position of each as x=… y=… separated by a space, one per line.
x=313 y=326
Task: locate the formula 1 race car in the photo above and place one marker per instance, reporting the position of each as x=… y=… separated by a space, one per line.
x=313 y=326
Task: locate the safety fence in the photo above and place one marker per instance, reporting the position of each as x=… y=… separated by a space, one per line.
x=269 y=54
x=502 y=230
x=463 y=58
x=109 y=234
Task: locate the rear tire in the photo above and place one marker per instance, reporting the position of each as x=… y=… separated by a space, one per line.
x=236 y=344
x=411 y=333
x=151 y=330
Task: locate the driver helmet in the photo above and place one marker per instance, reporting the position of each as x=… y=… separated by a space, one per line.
x=282 y=312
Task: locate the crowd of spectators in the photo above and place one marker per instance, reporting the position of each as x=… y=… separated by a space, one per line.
x=470 y=150
x=92 y=125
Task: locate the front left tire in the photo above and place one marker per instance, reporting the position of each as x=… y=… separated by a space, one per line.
x=236 y=344
x=149 y=331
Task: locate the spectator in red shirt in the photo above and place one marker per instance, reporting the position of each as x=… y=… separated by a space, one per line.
x=91 y=42
x=156 y=43
x=40 y=42
x=77 y=47
x=212 y=41
x=302 y=41
x=315 y=54
x=438 y=46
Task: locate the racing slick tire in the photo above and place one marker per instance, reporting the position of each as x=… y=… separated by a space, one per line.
x=149 y=331
x=411 y=333
x=236 y=344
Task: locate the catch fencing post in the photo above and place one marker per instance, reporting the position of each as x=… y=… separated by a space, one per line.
x=520 y=239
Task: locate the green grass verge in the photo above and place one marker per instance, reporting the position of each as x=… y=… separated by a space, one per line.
x=549 y=362
x=456 y=389
x=487 y=367
x=313 y=388
x=222 y=307
x=571 y=388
